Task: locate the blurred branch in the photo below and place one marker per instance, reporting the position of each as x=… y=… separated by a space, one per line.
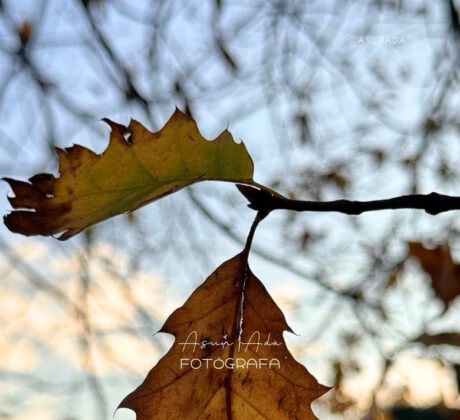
x=37 y=280
x=272 y=258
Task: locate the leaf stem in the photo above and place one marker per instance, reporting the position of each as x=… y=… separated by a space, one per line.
x=238 y=314
x=261 y=214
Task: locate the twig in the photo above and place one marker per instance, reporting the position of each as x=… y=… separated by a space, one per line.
x=262 y=199
x=268 y=256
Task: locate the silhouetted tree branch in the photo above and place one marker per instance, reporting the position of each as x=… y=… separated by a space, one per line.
x=433 y=203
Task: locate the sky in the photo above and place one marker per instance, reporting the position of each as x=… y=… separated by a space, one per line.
x=42 y=347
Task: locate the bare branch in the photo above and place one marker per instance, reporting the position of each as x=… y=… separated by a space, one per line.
x=266 y=200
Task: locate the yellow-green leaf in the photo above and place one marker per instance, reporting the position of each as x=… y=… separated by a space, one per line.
x=137 y=167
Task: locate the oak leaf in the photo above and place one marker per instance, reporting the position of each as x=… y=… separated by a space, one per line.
x=211 y=372
x=137 y=167
x=439 y=265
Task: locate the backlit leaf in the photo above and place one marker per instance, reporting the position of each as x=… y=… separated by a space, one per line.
x=439 y=265
x=137 y=167
x=229 y=310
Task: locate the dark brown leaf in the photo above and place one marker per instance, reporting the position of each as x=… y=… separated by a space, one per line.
x=439 y=265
